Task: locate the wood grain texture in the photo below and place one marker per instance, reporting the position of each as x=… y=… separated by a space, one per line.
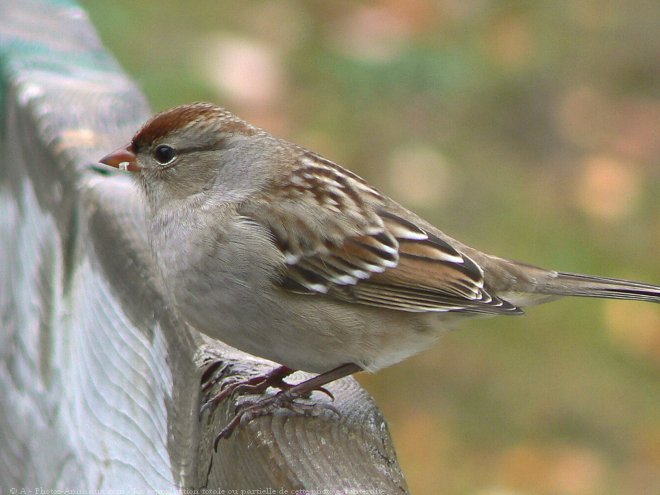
x=99 y=378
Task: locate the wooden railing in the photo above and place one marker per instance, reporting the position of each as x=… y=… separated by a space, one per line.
x=99 y=379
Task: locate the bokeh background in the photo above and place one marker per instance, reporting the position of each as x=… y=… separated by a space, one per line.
x=529 y=129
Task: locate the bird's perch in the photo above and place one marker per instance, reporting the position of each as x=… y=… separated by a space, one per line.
x=99 y=378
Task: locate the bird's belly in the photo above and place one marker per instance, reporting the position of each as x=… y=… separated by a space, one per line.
x=310 y=333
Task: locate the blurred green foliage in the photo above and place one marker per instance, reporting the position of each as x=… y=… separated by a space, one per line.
x=529 y=129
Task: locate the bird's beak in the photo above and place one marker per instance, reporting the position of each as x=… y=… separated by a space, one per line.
x=123 y=159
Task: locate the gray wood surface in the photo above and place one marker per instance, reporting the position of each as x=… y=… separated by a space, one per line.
x=99 y=378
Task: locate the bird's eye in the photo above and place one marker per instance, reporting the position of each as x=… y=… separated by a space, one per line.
x=164 y=154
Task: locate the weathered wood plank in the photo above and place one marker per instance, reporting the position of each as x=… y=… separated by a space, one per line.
x=99 y=378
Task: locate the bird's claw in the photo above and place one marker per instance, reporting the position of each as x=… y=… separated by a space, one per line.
x=233 y=386
x=286 y=398
x=249 y=410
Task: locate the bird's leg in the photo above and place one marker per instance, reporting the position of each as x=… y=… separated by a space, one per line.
x=255 y=385
x=285 y=399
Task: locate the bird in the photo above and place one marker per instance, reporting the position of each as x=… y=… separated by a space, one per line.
x=281 y=253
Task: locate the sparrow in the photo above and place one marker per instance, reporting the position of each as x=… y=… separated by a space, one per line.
x=281 y=253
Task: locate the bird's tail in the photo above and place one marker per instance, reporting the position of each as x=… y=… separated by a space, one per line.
x=573 y=284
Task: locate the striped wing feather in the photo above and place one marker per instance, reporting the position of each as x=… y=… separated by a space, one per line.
x=339 y=240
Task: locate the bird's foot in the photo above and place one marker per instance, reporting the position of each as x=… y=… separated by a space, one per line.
x=286 y=399
x=248 y=410
x=255 y=385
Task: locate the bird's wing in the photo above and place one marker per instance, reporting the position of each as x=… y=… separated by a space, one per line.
x=340 y=239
